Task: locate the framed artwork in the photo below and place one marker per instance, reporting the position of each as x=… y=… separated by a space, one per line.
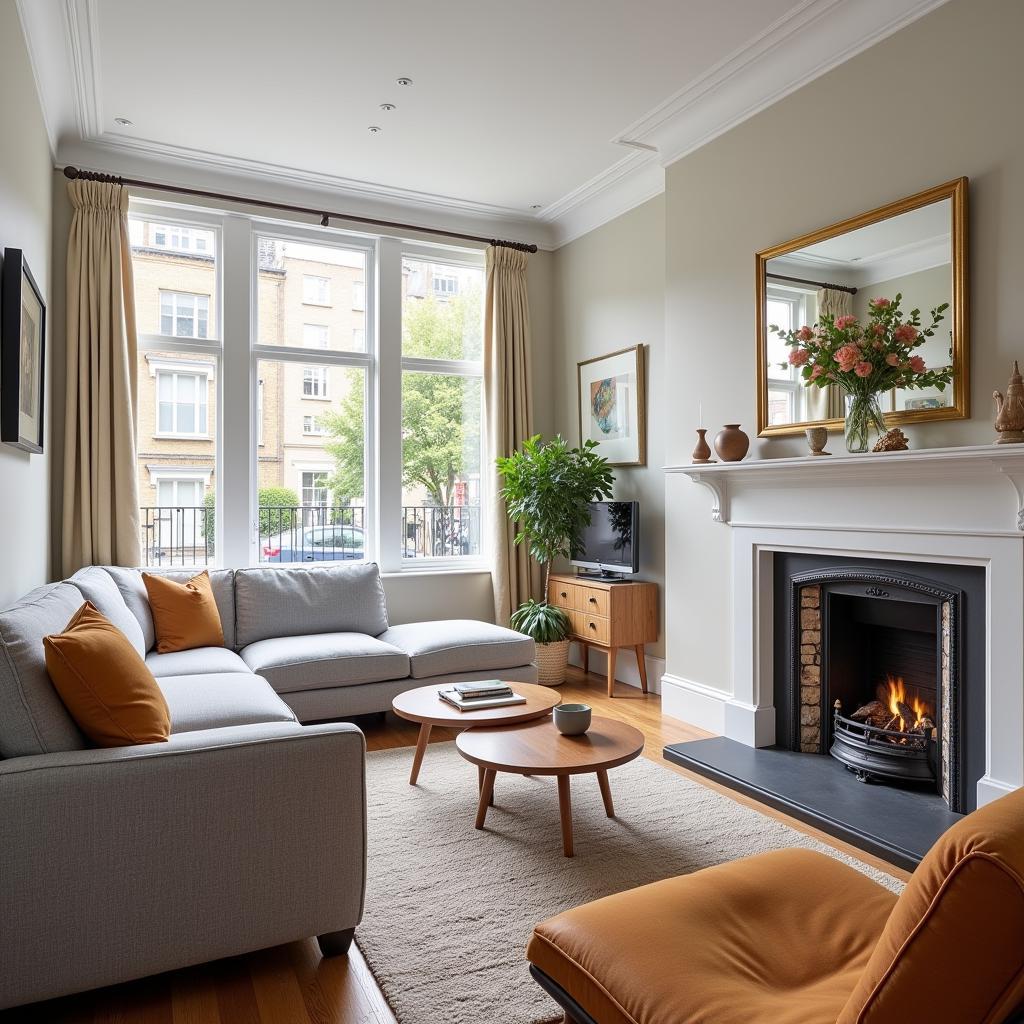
x=22 y=354
x=613 y=406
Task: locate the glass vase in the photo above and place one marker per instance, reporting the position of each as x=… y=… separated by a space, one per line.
x=864 y=422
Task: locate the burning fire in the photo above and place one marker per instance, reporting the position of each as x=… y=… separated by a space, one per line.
x=893 y=693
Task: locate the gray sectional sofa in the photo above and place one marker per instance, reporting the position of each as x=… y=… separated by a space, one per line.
x=247 y=828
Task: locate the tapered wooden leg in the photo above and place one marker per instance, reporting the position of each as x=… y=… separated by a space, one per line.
x=486 y=792
x=480 y=782
x=565 y=810
x=417 y=758
x=612 y=654
x=606 y=792
x=584 y=655
x=641 y=664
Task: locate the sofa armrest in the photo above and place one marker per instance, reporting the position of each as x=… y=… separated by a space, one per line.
x=125 y=862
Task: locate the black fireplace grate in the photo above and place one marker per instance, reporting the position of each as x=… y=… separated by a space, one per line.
x=875 y=754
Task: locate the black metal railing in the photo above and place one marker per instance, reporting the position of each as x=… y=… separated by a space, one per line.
x=184 y=535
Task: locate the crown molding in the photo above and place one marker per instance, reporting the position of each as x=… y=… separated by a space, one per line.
x=814 y=37
x=315 y=191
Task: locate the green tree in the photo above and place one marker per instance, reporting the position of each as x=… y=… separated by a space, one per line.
x=277 y=511
x=440 y=412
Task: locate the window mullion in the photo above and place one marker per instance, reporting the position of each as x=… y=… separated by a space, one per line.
x=389 y=406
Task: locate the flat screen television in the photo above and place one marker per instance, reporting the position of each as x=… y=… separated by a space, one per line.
x=610 y=545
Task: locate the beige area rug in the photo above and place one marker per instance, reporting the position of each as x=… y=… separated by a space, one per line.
x=449 y=909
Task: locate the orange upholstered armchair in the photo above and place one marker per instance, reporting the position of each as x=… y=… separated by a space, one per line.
x=796 y=937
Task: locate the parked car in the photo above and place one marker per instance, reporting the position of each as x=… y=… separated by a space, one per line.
x=314 y=544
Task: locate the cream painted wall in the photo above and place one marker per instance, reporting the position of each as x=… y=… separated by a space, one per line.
x=25 y=211
x=610 y=294
x=937 y=100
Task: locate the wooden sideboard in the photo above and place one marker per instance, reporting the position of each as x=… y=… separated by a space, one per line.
x=609 y=616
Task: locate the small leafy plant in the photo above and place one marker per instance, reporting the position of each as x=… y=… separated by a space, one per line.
x=542 y=622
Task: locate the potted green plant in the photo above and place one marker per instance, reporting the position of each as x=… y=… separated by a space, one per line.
x=548 y=487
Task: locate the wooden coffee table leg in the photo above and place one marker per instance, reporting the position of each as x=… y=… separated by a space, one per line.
x=480 y=782
x=486 y=792
x=417 y=758
x=565 y=810
x=606 y=792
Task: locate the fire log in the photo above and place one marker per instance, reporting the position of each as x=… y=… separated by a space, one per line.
x=874 y=713
x=907 y=714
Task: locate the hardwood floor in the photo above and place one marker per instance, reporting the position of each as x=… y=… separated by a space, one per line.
x=293 y=984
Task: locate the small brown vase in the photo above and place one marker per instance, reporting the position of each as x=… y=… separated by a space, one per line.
x=731 y=443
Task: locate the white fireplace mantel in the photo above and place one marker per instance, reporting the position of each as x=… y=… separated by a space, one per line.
x=937 y=468
x=941 y=505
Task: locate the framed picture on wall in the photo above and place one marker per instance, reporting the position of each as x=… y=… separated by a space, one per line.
x=613 y=405
x=22 y=354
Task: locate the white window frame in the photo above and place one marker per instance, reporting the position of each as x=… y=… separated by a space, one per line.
x=455 y=368
x=326 y=472
x=175 y=297
x=359 y=296
x=792 y=385
x=444 y=293
x=234 y=355
x=203 y=372
x=325 y=290
x=307 y=330
x=320 y=378
x=311 y=426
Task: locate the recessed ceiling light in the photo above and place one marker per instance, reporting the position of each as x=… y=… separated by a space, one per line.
x=404 y=81
x=373 y=129
x=387 y=106
x=536 y=206
x=124 y=122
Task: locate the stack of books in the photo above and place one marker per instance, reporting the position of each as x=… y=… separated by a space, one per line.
x=488 y=693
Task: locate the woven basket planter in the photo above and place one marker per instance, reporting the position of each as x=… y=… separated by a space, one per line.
x=552 y=660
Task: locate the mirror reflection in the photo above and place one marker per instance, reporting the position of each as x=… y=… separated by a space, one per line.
x=910 y=254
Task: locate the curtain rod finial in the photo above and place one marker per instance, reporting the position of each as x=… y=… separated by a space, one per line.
x=325 y=220
x=70 y=172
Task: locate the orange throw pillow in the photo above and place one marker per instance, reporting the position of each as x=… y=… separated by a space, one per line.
x=104 y=683
x=185 y=615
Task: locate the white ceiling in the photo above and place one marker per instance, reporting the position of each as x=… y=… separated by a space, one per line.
x=513 y=104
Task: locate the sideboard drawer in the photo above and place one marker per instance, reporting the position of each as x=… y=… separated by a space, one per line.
x=591 y=627
x=593 y=601
x=564 y=595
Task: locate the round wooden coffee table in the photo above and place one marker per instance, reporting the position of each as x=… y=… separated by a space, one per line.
x=538 y=748
x=424 y=706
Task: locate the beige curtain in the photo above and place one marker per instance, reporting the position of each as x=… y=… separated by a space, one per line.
x=827 y=403
x=509 y=415
x=101 y=502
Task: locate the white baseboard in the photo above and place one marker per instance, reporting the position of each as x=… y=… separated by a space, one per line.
x=626 y=670
x=990 y=789
x=694 y=703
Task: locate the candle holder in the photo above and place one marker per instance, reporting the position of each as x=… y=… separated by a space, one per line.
x=702 y=451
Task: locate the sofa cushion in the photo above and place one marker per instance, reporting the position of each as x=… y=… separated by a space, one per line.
x=198 y=661
x=220 y=700
x=104 y=683
x=459 y=645
x=185 y=615
x=98 y=586
x=129 y=582
x=273 y=602
x=323 y=660
x=33 y=720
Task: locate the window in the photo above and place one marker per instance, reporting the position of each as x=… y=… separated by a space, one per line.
x=184 y=314
x=354 y=431
x=442 y=394
x=315 y=335
x=316 y=290
x=787 y=308
x=295 y=282
x=314 y=382
x=314 y=488
x=181 y=404
x=445 y=285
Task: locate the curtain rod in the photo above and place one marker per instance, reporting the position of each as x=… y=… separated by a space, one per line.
x=73 y=173
x=818 y=284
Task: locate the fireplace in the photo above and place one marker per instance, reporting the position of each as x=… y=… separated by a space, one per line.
x=872 y=669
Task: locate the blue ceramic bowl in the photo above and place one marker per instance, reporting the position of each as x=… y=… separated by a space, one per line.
x=572 y=719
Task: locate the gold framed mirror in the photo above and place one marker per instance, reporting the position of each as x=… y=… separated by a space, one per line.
x=916 y=247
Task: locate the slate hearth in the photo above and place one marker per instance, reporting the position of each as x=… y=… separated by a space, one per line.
x=895 y=823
